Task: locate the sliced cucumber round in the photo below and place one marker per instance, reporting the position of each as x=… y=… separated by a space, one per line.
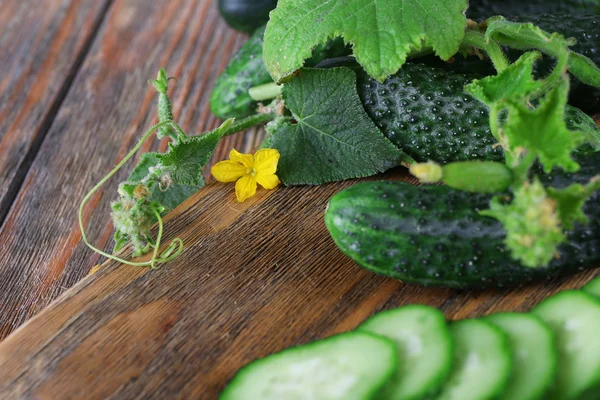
x=425 y=348
x=574 y=316
x=350 y=366
x=482 y=362
x=535 y=356
x=593 y=287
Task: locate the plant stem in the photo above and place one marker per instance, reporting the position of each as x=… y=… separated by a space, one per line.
x=476 y=39
x=249 y=122
x=267 y=91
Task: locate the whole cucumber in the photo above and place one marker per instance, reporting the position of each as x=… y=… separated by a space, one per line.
x=425 y=111
x=230 y=98
x=246 y=15
x=434 y=235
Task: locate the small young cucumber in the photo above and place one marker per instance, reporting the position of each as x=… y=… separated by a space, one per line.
x=350 y=366
x=593 y=287
x=574 y=316
x=535 y=356
x=482 y=362
x=470 y=176
x=425 y=350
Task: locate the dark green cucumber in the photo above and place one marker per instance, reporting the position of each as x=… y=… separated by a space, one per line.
x=350 y=366
x=246 y=15
x=481 y=9
x=230 y=98
x=434 y=235
x=425 y=111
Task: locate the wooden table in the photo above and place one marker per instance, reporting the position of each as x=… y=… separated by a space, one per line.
x=255 y=277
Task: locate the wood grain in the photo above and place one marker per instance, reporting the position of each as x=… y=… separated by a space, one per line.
x=104 y=113
x=42 y=45
x=255 y=278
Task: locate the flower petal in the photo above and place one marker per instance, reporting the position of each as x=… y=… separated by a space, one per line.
x=245 y=188
x=247 y=160
x=268 y=181
x=265 y=161
x=227 y=171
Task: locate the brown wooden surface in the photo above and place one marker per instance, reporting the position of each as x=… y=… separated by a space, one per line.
x=107 y=107
x=255 y=278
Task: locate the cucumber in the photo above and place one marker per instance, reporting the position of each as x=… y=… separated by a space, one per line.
x=350 y=366
x=434 y=235
x=593 y=287
x=574 y=316
x=230 y=98
x=425 y=350
x=481 y=9
x=482 y=362
x=246 y=15
x=535 y=356
x=425 y=111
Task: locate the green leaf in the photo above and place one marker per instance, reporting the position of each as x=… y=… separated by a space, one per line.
x=525 y=36
x=142 y=169
x=531 y=222
x=543 y=130
x=579 y=121
x=174 y=195
x=571 y=199
x=382 y=32
x=184 y=161
x=331 y=137
x=516 y=81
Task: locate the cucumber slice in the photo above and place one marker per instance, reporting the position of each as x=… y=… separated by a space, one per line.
x=574 y=316
x=535 y=356
x=593 y=287
x=350 y=366
x=482 y=362
x=425 y=349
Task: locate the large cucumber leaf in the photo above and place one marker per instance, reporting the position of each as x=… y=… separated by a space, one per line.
x=331 y=137
x=382 y=32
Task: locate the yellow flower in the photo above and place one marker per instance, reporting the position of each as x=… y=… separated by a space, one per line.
x=248 y=170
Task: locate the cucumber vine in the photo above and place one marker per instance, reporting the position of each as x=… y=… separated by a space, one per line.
x=324 y=134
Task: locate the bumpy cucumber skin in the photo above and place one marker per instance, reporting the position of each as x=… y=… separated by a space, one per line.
x=425 y=111
x=481 y=9
x=586 y=30
x=434 y=236
x=230 y=97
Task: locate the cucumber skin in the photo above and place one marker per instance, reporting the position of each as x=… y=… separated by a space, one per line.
x=246 y=15
x=436 y=386
x=230 y=97
x=425 y=111
x=593 y=392
x=226 y=393
x=434 y=236
x=481 y=9
x=496 y=319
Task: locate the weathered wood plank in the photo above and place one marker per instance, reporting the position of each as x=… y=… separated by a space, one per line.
x=255 y=278
x=42 y=45
x=107 y=108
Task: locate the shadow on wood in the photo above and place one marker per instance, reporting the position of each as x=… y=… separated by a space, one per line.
x=255 y=278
